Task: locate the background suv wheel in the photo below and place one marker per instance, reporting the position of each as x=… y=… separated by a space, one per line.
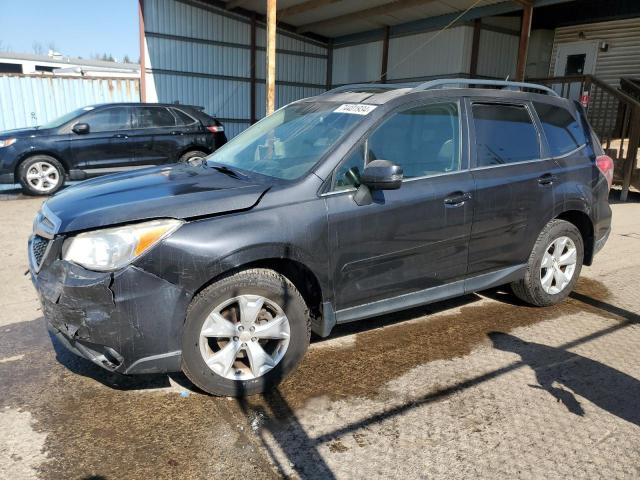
x=554 y=265
x=41 y=175
x=194 y=157
x=245 y=333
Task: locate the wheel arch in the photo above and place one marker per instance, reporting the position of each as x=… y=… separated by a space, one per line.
x=583 y=223
x=302 y=277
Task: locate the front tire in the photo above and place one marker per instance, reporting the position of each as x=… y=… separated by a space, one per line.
x=245 y=333
x=554 y=265
x=41 y=175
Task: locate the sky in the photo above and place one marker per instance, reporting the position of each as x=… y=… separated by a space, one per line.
x=76 y=27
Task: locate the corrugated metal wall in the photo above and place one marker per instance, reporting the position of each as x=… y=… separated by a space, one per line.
x=357 y=63
x=201 y=55
x=498 y=54
x=430 y=54
x=623 y=55
x=27 y=101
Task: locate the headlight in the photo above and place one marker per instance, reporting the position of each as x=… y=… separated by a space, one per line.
x=113 y=248
x=7 y=141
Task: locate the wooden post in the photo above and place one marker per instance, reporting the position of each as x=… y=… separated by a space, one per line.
x=143 y=52
x=632 y=153
x=475 y=47
x=525 y=33
x=252 y=69
x=385 y=55
x=271 y=56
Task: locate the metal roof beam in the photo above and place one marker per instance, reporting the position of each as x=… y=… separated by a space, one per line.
x=304 y=7
x=385 y=9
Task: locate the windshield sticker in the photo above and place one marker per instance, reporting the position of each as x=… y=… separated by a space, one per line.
x=355 y=108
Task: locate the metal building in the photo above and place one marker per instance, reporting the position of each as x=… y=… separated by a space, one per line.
x=212 y=53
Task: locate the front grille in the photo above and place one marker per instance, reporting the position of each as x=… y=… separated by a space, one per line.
x=39 y=248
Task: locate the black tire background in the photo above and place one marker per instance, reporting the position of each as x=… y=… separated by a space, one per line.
x=529 y=289
x=189 y=155
x=263 y=282
x=23 y=168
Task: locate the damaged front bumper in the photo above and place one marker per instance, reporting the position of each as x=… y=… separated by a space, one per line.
x=129 y=321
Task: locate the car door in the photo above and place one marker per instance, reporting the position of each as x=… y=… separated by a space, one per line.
x=514 y=184
x=158 y=139
x=414 y=238
x=106 y=145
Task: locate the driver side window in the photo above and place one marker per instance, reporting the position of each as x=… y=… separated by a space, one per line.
x=423 y=140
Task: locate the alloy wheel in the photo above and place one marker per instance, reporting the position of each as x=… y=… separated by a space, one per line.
x=244 y=337
x=558 y=265
x=43 y=177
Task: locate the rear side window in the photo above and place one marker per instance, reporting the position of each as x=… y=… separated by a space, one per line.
x=153 y=117
x=564 y=133
x=504 y=134
x=182 y=118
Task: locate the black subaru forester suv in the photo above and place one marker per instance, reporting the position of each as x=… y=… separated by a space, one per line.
x=362 y=201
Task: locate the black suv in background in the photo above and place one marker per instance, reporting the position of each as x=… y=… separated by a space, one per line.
x=356 y=203
x=106 y=138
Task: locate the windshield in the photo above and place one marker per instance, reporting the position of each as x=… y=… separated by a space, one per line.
x=65 y=118
x=289 y=142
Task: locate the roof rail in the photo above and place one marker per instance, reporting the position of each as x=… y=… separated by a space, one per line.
x=505 y=84
x=364 y=87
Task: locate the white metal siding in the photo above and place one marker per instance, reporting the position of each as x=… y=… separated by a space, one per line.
x=31 y=101
x=200 y=55
x=430 y=54
x=623 y=55
x=498 y=54
x=357 y=63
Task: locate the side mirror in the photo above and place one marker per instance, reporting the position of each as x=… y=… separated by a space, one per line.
x=81 y=128
x=377 y=175
x=382 y=175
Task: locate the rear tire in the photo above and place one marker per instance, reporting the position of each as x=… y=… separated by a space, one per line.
x=41 y=175
x=554 y=265
x=217 y=323
x=193 y=157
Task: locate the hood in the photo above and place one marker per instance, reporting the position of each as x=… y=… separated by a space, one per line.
x=23 y=132
x=178 y=191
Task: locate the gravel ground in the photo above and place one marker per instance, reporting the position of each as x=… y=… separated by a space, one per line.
x=480 y=386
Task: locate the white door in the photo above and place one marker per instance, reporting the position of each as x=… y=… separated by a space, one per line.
x=575 y=58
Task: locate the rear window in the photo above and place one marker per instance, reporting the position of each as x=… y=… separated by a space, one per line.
x=182 y=118
x=564 y=133
x=153 y=117
x=504 y=134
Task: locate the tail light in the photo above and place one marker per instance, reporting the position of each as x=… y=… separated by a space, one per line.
x=605 y=165
x=215 y=128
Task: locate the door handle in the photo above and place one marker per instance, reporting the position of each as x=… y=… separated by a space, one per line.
x=546 y=179
x=457 y=199
x=177 y=132
x=120 y=135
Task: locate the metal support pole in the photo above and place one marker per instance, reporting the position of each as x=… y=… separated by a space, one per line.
x=271 y=56
x=475 y=47
x=525 y=33
x=385 y=55
x=329 y=79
